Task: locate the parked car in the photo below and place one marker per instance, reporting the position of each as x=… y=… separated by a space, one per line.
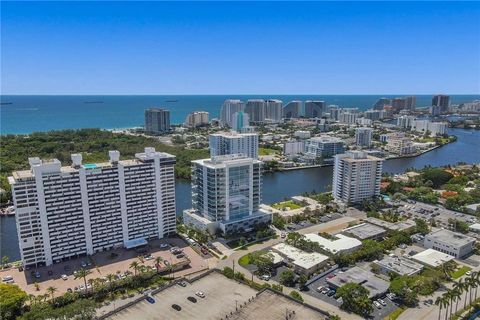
x=468 y=273
x=7 y=278
x=376 y=304
x=382 y=302
x=265 y=277
x=319 y=289
x=391 y=296
x=182 y=283
x=200 y=294
x=83 y=264
x=331 y=293
x=164 y=245
x=150 y=299
x=64 y=277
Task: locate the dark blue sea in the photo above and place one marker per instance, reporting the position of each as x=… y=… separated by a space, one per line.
x=26 y=114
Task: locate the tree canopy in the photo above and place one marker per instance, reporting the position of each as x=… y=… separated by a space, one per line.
x=355 y=299
x=11 y=301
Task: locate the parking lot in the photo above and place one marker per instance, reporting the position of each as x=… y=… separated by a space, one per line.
x=378 y=313
x=101 y=264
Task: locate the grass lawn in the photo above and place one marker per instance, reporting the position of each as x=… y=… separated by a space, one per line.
x=290 y=204
x=267 y=151
x=460 y=272
x=395 y=314
x=244 y=261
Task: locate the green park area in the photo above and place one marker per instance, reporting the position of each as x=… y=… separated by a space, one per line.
x=267 y=151
x=286 y=205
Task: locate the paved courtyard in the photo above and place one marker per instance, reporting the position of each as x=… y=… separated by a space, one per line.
x=102 y=264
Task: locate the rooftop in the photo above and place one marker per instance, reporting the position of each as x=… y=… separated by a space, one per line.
x=365 y=231
x=400 y=265
x=300 y=258
x=222 y=161
x=222 y=297
x=453 y=238
x=367 y=279
x=475 y=227
x=340 y=243
x=432 y=258
x=399 y=226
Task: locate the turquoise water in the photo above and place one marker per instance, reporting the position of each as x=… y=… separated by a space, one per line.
x=28 y=114
x=90 y=166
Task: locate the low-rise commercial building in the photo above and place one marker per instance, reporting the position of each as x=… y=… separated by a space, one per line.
x=302 y=262
x=293 y=148
x=365 y=231
x=375 y=286
x=337 y=244
x=406 y=225
x=432 y=258
x=449 y=242
x=398 y=265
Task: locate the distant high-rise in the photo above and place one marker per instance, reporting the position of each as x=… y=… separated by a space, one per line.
x=356 y=177
x=443 y=101
x=314 y=109
x=399 y=104
x=381 y=103
x=411 y=103
x=293 y=109
x=157 y=121
x=226 y=195
x=363 y=137
x=273 y=111
x=229 y=108
x=196 y=119
x=256 y=110
x=240 y=120
x=225 y=143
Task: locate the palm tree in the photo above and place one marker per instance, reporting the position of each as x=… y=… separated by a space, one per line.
x=52 y=291
x=446 y=302
x=92 y=283
x=83 y=273
x=134 y=265
x=448 y=268
x=464 y=286
x=37 y=286
x=440 y=302
x=472 y=283
x=457 y=294
x=158 y=260
x=31 y=299
x=477 y=281
x=111 y=279
x=141 y=259
x=449 y=295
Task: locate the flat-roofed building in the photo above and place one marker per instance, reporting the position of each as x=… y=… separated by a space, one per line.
x=314 y=109
x=65 y=212
x=226 y=194
x=398 y=265
x=225 y=143
x=375 y=286
x=449 y=242
x=405 y=225
x=302 y=262
x=325 y=147
x=356 y=176
x=432 y=258
x=293 y=109
x=337 y=244
x=157 y=121
x=363 y=137
x=365 y=231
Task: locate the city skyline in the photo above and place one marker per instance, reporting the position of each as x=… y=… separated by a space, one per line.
x=192 y=48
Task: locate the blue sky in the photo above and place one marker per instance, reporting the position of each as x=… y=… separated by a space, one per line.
x=241 y=48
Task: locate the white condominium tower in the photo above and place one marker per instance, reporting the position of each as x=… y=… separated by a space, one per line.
x=314 y=109
x=225 y=143
x=196 y=119
x=293 y=109
x=65 y=212
x=255 y=109
x=273 y=111
x=363 y=137
x=356 y=176
x=226 y=194
x=229 y=108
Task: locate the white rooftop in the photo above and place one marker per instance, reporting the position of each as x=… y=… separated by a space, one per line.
x=432 y=257
x=299 y=257
x=341 y=243
x=475 y=227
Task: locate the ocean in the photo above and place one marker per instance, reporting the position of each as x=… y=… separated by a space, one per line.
x=27 y=114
